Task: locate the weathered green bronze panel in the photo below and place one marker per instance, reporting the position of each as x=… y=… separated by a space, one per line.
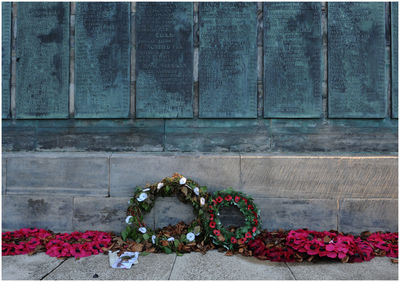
x=292 y=60
x=102 y=60
x=6 y=57
x=164 y=60
x=42 y=60
x=356 y=60
x=228 y=60
x=395 y=58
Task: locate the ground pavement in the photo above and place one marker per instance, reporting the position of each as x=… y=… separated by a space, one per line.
x=193 y=266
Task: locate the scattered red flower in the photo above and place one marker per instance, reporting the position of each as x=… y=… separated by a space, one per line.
x=212 y=224
x=233 y=240
x=216 y=232
x=237 y=199
x=219 y=199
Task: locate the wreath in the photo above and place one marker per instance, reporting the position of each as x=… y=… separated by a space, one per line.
x=187 y=191
x=234 y=237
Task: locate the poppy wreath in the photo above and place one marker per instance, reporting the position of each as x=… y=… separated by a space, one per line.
x=187 y=191
x=23 y=241
x=223 y=237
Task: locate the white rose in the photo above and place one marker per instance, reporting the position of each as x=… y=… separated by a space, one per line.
x=196 y=190
x=202 y=201
x=128 y=219
x=160 y=185
x=171 y=239
x=182 y=181
x=142 y=197
x=143 y=229
x=190 y=236
x=147 y=189
x=153 y=239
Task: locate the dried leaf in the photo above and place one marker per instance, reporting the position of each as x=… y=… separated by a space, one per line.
x=137 y=248
x=229 y=253
x=395 y=260
x=221 y=238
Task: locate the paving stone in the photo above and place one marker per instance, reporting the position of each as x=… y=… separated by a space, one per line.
x=131 y=170
x=314 y=214
x=151 y=267
x=106 y=214
x=24 y=267
x=217 y=266
x=20 y=211
x=379 y=268
x=358 y=215
x=59 y=173
x=319 y=177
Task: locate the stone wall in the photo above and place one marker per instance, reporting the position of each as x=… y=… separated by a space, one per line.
x=292 y=103
x=83 y=191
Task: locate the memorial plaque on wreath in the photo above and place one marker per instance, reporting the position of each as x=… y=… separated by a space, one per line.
x=102 y=60
x=356 y=60
x=6 y=57
x=228 y=60
x=292 y=60
x=164 y=60
x=42 y=48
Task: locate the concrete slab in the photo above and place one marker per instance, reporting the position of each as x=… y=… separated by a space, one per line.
x=216 y=266
x=150 y=267
x=24 y=267
x=380 y=268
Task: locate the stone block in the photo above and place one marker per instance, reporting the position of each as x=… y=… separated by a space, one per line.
x=101 y=135
x=106 y=214
x=319 y=176
x=358 y=215
x=223 y=135
x=314 y=214
x=3 y=175
x=59 y=173
x=216 y=266
x=48 y=212
x=131 y=170
x=170 y=211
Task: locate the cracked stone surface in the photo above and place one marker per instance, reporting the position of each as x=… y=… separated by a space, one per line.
x=194 y=266
x=24 y=267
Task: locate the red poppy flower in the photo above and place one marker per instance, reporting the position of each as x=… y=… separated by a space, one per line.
x=214 y=202
x=228 y=198
x=254 y=229
x=245 y=200
x=211 y=217
x=255 y=221
x=212 y=224
x=248 y=235
x=237 y=199
x=242 y=241
x=219 y=199
x=216 y=232
x=250 y=207
x=233 y=240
